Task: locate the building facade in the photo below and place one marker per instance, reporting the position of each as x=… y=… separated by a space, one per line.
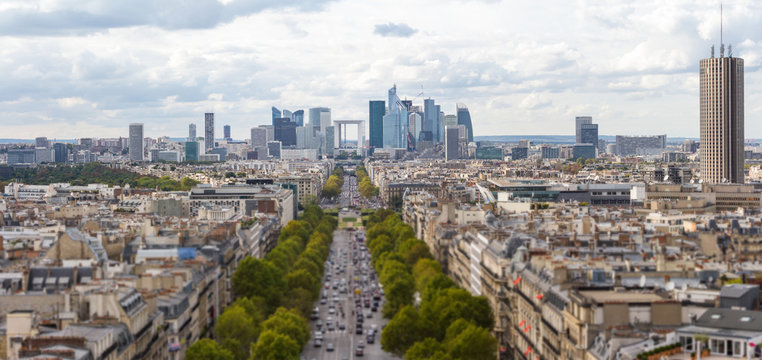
x=464 y=118
x=209 y=130
x=722 y=119
x=136 y=142
x=376 y=112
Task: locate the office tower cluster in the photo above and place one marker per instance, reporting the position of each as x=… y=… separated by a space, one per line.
x=293 y=136
x=399 y=124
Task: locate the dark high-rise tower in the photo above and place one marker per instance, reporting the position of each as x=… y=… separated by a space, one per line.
x=209 y=130
x=464 y=118
x=226 y=132
x=285 y=131
x=136 y=142
x=376 y=112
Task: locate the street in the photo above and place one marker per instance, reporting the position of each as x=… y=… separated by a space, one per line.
x=348 y=297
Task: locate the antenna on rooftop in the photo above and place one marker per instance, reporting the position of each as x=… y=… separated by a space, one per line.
x=722 y=45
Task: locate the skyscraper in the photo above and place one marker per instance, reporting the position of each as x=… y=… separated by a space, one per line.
x=61 y=152
x=320 y=117
x=226 y=132
x=209 y=130
x=298 y=117
x=276 y=114
x=41 y=142
x=452 y=149
x=395 y=122
x=285 y=131
x=464 y=118
x=258 y=137
x=578 y=122
x=191 y=132
x=430 y=116
x=589 y=134
x=439 y=127
x=270 y=131
x=330 y=136
x=722 y=118
x=376 y=112
x=136 y=142
x=191 y=151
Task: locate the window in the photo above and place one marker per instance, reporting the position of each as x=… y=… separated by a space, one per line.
x=687 y=342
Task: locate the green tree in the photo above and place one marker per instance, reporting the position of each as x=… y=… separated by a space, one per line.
x=424 y=270
x=451 y=304
x=236 y=330
x=290 y=323
x=301 y=279
x=187 y=183
x=309 y=199
x=471 y=342
x=419 y=251
x=434 y=285
x=275 y=346
x=402 y=331
x=255 y=277
x=207 y=349
x=428 y=349
x=300 y=300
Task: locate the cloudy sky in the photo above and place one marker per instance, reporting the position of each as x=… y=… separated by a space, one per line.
x=81 y=68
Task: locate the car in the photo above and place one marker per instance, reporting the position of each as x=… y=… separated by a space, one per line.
x=358 y=351
x=319 y=335
x=371 y=339
x=322 y=301
x=319 y=324
x=358 y=331
x=341 y=326
x=331 y=327
x=329 y=347
x=374 y=309
x=318 y=343
x=361 y=344
x=369 y=315
x=331 y=311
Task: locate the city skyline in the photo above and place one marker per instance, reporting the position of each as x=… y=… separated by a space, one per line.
x=618 y=62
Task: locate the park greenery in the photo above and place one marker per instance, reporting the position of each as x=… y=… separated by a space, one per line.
x=274 y=295
x=92 y=173
x=332 y=187
x=448 y=322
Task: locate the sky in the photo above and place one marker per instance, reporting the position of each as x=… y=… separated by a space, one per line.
x=88 y=68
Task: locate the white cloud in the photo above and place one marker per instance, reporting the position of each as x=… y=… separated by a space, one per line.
x=521 y=67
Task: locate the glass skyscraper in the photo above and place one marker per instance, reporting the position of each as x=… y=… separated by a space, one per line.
x=395 y=122
x=298 y=117
x=464 y=118
x=430 y=117
x=276 y=114
x=376 y=112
